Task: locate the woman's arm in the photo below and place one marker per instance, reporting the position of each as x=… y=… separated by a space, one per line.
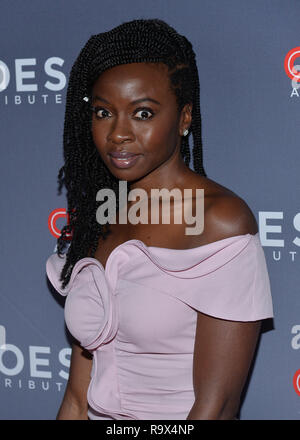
x=223 y=349
x=222 y=357
x=74 y=405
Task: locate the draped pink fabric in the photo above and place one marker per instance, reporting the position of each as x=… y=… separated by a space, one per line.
x=138 y=317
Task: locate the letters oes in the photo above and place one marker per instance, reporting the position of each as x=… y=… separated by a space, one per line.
x=22 y=73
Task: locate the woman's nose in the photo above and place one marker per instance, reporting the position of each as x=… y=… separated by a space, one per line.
x=121 y=130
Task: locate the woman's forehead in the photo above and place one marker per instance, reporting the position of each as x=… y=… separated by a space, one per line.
x=134 y=75
x=135 y=70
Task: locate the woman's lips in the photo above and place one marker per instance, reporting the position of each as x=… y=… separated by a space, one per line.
x=124 y=161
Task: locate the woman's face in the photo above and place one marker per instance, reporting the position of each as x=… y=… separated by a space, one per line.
x=136 y=125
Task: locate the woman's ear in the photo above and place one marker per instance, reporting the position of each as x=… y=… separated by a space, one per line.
x=185 y=118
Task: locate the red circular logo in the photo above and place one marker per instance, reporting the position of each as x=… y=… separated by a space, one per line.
x=289 y=62
x=52 y=219
x=296 y=382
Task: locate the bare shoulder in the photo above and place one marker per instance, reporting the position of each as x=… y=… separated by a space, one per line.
x=226 y=213
x=230 y=216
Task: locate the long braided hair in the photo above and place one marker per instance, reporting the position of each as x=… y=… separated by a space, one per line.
x=83 y=172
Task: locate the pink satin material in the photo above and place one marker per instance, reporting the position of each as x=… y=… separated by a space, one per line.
x=138 y=317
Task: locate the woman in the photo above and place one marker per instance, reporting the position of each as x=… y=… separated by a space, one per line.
x=165 y=322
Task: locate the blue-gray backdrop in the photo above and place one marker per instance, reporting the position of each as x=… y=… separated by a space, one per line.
x=248 y=57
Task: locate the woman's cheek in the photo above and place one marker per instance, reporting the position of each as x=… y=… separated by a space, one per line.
x=98 y=138
x=152 y=139
x=159 y=140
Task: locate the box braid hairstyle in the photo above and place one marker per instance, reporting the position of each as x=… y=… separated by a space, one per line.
x=83 y=172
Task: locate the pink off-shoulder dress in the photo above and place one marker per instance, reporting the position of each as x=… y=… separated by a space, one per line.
x=138 y=317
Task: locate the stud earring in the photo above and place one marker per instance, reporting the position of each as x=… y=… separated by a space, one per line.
x=185 y=132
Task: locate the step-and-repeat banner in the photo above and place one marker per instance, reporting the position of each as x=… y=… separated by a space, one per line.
x=248 y=55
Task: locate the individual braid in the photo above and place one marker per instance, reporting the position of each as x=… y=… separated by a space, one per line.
x=84 y=173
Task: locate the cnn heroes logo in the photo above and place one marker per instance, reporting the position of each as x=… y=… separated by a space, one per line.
x=22 y=77
x=293 y=70
x=295 y=343
x=271 y=235
x=13 y=361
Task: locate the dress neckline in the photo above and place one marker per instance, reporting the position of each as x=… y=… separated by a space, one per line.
x=193 y=248
x=169 y=260
x=161 y=250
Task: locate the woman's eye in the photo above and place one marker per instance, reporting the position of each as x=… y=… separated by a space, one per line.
x=101 y=113
x=144 y=114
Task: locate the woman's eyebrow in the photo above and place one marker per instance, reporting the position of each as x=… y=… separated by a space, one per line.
x=136 y=101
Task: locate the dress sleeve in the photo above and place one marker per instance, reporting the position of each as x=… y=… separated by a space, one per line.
x=229 y=282
x=90 y=312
